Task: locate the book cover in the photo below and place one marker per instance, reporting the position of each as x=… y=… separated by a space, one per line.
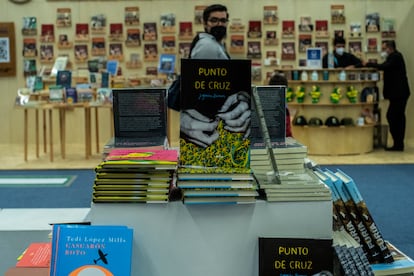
x=217 y=96
x=133 y=37
x=168 y=44
x=116 y=51
x=71 y=95
x=295 y=256
x=321 y=29
x=112 y=67
x=365 y=215
x=166 y=64
x=139 y=117
x=144 y=155
x=56 y=93
x=46 y=53
x=63 y=17
x=167 y=21
x=81 y=52
x=59 y=65
x=98 y=46
x=270 y=15
x=98 y=23
x=186 y=30
x=305 y=24
x=37 y=254
x=86 y=249
x=305 y=42
x=47 y=33
x=254 y=49
x=82 y=32
x=64 y=78
x=29 y=25
x=27 y=271
x=337 y=14
x=29 y=47
x=150 y=31
x=116 y=32
x=219 y=200
x=271 y=38
x=288 y=29
x=131 y=16
x=255 y=29
x=288 y=51
x=151 y=52
x=371 y=248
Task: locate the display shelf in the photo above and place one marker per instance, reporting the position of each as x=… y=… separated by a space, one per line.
x=335 y=140
x=214 y=239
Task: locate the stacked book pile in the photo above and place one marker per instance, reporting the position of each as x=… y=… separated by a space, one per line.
x=135 y=175
x=303 y=186
x=210 y=188
x=289 y=156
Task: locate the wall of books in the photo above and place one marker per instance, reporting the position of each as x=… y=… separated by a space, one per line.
x=138 y=34
x=147 y=38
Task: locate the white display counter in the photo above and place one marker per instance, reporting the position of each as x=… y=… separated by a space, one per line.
x=216 y=240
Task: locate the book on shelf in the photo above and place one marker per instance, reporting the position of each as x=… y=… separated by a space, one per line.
x=218 y=90
x=99 y=249
x=216 y=184
x=37 y=254
x=365 y=215
x=140 y=117
x=276 y=256
x=64 y=78
x=59 y=65
x=214 y=176
x=112 y=67
x=56 y=93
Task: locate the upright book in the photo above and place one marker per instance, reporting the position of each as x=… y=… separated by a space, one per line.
x=91 y=250
x=140 y=117
x=215 y=113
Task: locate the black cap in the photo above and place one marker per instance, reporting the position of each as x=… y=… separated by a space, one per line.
x=314 y=121
x=332 y=121
x=300 y=121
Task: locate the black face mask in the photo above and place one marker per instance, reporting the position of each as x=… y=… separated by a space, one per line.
x=219 y=32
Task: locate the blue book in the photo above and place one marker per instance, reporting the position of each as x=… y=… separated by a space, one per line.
x=91 y=250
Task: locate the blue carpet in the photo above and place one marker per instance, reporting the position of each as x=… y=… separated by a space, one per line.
x=388 y=191
x=76 y=195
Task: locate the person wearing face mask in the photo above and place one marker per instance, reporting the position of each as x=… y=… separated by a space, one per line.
x=210 y=43
x=341 y=58
x=395 y=89
x=235 y=112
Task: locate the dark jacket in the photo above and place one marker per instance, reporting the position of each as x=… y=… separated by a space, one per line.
x=395 y=76
x=343 y=61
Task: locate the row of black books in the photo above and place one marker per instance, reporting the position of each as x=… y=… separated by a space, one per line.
x=135 y=175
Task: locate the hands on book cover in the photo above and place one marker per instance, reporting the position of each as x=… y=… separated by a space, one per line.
x=215 y=116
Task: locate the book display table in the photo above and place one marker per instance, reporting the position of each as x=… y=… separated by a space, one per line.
x=47 y=126
x=177 y=239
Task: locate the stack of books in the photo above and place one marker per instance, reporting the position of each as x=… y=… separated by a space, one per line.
x=303 y=186
x=214 y=187
x=135 y=175
x=289 y=156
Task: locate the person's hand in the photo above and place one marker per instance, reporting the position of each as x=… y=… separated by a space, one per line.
x=198 y=128
x=235 y=113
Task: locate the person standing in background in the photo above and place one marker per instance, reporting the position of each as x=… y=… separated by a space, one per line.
x=341 y=59
x=235 y=111
x=396 y=90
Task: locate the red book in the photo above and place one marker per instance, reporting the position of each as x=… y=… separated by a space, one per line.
x=36 y=255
